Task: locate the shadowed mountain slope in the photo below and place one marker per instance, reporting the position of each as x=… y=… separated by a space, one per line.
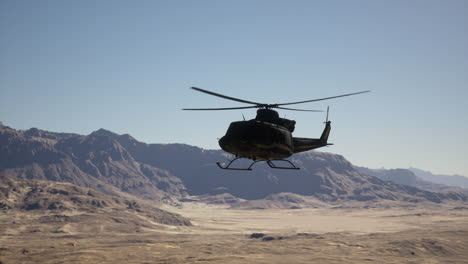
x=96 y=161
x=407 y=177
x=450 y=180
x=323 y=175
x=164 y=171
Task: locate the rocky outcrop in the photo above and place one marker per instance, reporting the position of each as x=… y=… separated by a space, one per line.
x=32 y=195
x=96 y=161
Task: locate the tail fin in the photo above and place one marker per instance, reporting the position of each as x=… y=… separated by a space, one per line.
x=326 y=131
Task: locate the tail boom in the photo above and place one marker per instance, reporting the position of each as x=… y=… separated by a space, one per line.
x=304 y=144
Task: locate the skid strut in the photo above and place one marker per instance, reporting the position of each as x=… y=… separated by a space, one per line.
x=269 y=162
x=273 y=166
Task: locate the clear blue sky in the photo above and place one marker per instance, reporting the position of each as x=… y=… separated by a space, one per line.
x=77 y=66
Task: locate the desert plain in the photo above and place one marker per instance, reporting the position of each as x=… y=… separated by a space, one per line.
x=355 y=233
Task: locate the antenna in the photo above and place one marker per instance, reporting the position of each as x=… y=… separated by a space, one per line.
x=243 y=117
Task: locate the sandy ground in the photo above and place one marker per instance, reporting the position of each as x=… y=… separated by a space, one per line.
x=214 y=219
x=430 y=234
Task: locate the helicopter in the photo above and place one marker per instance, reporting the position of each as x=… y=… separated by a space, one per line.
x=268 y=137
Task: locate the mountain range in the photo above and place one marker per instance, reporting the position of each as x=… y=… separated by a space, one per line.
x=450 y=180
x=117 y=164
x=95 y=161
x=410 y=178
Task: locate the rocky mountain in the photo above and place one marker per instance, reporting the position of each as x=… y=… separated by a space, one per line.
x=33 y=195
x=327 y=176
x=450 y=180
x=163 y=171
x=97 y=161
x=407 y=177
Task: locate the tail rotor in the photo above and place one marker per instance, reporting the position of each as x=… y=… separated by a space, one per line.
x=326 y=131
x=326 y=119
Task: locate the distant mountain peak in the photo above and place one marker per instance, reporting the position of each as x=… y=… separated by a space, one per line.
x=34 y=132
x=127 y=138
x=451 y=180
x=3 y=126
x=103 y=132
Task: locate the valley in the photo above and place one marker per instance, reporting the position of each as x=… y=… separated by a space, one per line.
x=108 y=198
x=400 y=234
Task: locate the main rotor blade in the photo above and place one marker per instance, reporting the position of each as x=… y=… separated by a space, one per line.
x=226 y=97
x=293 y=109
x=326 y=98
x=226 y=108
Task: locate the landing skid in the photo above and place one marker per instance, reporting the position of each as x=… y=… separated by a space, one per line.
x=269 y=162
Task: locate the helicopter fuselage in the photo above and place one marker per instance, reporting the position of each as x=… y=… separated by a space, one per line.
x=257 y=140
x=268 y=137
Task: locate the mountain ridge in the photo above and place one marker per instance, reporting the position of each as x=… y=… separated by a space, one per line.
x=94 y=161
x=450 y=180
x=168 y=172
x=407 y=177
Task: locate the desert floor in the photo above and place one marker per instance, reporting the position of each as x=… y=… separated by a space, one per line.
x=382 y=234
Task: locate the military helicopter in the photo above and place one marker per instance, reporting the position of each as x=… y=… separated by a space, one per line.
x=268 y=137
